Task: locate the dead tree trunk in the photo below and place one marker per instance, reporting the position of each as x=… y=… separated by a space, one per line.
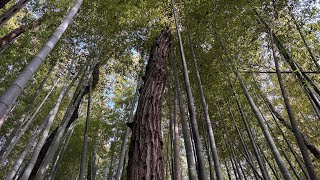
x=145 y=151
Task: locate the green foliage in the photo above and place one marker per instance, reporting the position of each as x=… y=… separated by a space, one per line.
x=118 y=33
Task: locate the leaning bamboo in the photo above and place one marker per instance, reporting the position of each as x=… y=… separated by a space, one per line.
x=11 y=94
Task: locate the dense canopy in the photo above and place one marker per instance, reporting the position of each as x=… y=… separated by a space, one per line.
x=148 y=89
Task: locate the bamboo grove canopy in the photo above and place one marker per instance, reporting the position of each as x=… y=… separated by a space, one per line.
x=148 y=89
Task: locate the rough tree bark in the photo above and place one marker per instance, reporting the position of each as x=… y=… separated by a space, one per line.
x=145 y=151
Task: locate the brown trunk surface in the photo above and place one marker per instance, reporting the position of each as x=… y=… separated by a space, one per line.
x=145 y=151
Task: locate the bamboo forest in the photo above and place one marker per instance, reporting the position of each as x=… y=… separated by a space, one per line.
x=159 y=90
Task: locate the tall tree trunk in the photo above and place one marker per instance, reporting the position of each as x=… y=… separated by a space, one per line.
x=11 y=36
x=205 y=110
x=25 y=152
x=211 y=164
x=243 y=117
x=291 y=149
x=25 y=127
x=207 y=149
x=3 y=3
x=241 y=167
x=12 y=11
x=193 y=148
x=11 y=94
x=313 y=104
x=192 y=170
x=171 y=157
x=145 y=150
x=312 y=148
x=290 y=164
x=191 y=106
x=85 y=139
x=23 y=130
x=295 y=128
x=168 y=159
x=233 y=157
x=285 y=173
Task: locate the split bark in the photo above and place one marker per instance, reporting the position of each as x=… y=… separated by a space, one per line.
x=145 y=150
